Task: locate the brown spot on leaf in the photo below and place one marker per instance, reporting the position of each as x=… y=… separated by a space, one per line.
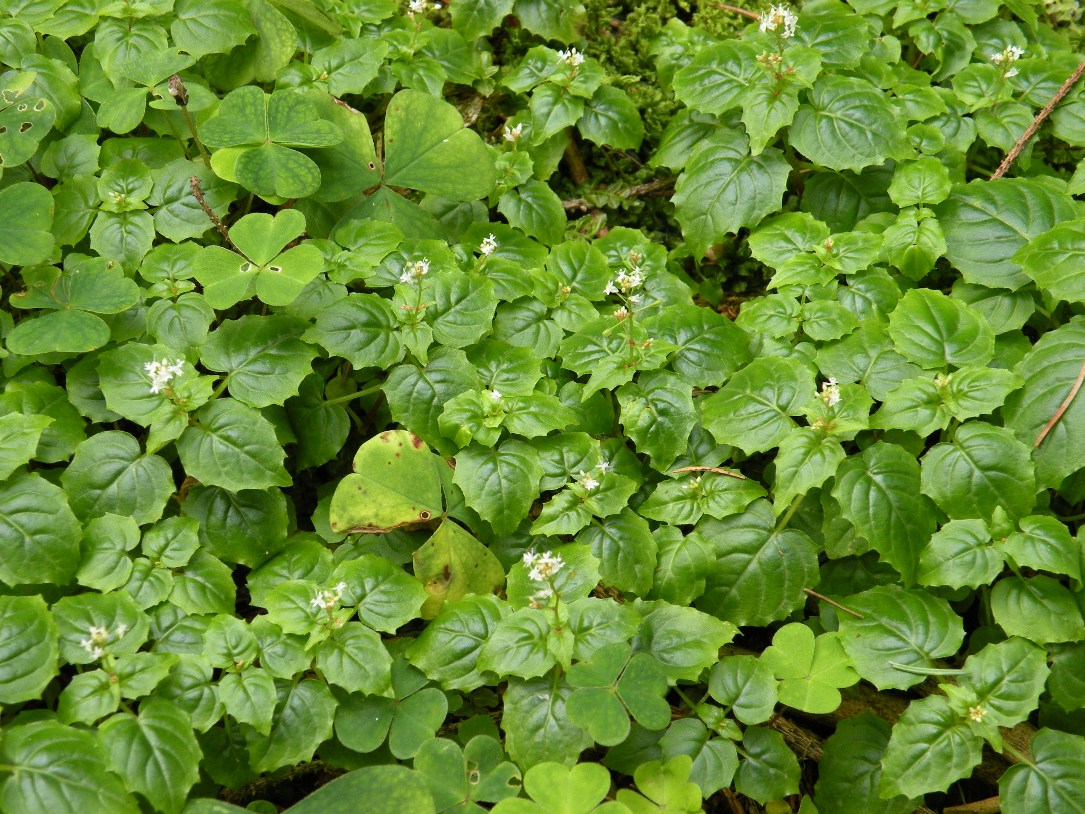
x=418 y=442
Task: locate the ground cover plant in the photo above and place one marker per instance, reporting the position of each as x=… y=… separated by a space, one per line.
x=533 y=406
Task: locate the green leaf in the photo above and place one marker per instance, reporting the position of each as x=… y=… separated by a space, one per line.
x=1050 y=370
x=709 y=347
x=396 y=482
x=536 y=209
x=537 y=726
x=760 y=572
x=156 y=753
x=924 y=181
x=427 y=148
x=249 y=696
x=452 y=564
x=109 y=476
x=1053 y=261
x=684 y=640
x=553 y=108
x=657 y=413
x=934 y=331
x=558 y=788
x=386 y=596
x=262 y=357
x=477 y=18
x=983 y=468
x=714 y=760
x=246 y=527
x=212 y=27
x=447 y=650
x=960 y=554
x=234 y=447
x=28 y=215
x=810 y=669
x=354 y=658
x=931 y=747
x=717 y=77
x=303 y=720
x=752 y=411
x=28 y=656
x=361 y=329
x=724 y=188
x=910 y=628
x=518 y=646
x=987 y=222
x=746 y=685
x=19 y=436
x=807 y=458
x=848 y=125
x=58 y=768
x=39 y=535
x=769 y=769
x=626 y=551
x=611 y=118
x=462 y=310
x=1007 y=679
x=1051 y=780
x=58 y=332
x=850 y=771
x=1036 y=608
x=1043 y=543
x=378 y=789
x=499 y=483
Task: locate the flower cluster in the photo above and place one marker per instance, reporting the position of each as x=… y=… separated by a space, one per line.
x=420 y=7
x=588 y=481
x=414 y=271
x=976 y=713
x=489 y=245
x=513 y=133
x=573 y=58
x=162 y=373
x=99 y=637
x=543 y=566
x=830 y=392
x=626 y=282
x=1005 y=60
x=780 y=19
x=329 y=600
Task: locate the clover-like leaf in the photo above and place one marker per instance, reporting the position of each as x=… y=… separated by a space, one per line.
x=810 y=669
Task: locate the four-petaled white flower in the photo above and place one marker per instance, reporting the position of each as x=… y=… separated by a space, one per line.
x=162 y=373
x=494 y=396
x=830 y=392
x=543 y=566
x=415 y=270
x=572 y=58
x=489 y=245
x=328 y=600
x=587 y=481
x=513 y=133
x=780 y=18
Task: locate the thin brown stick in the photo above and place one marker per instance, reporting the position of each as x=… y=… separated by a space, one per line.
x=716 y=469
x=752 y=15
x=835 y=604
x=1062 y=407
x=1011 y=156
x=197 y=192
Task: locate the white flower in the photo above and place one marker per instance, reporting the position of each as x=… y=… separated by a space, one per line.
x=494 y=396
x=636 y=299
x=545 y=566
x=328 y=600
x=162 y=373
x=587 y=481
x=604 y=467
x=976 y=713
x=489 y=245
x=1008 y=56
x=572 y=58
x=830 y=392
x=780 y=17
x=513 y=133
x=415 y=270
x=420 y=7
x=611 y=288
x=120 y=631
x=625 y=281
x=621 y=313
x=540 y=596
x=529 y=559
x=98 y=639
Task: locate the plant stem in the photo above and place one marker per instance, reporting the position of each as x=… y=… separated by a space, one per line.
x=794 y=507
x=356 y=394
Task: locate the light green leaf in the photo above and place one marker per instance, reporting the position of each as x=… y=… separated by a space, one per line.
x=109 y=476
x=537 y=726
x=1053 y=261
x=262 y=357
x=39 y=535
x=28 y=215
x=303 y=720
x=29 y=649
x=536 y=209
x=810 y=669
x=19 y=435
x=427 y=148
x=960 y=554
x=769 y=769
x=499 y=483
x=931 y=747
x=1007 y=679
x=935 y=331
x=447 y=650
x=211 y=27
x=354 y=658
x=376 y=789
x=1037 y=608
